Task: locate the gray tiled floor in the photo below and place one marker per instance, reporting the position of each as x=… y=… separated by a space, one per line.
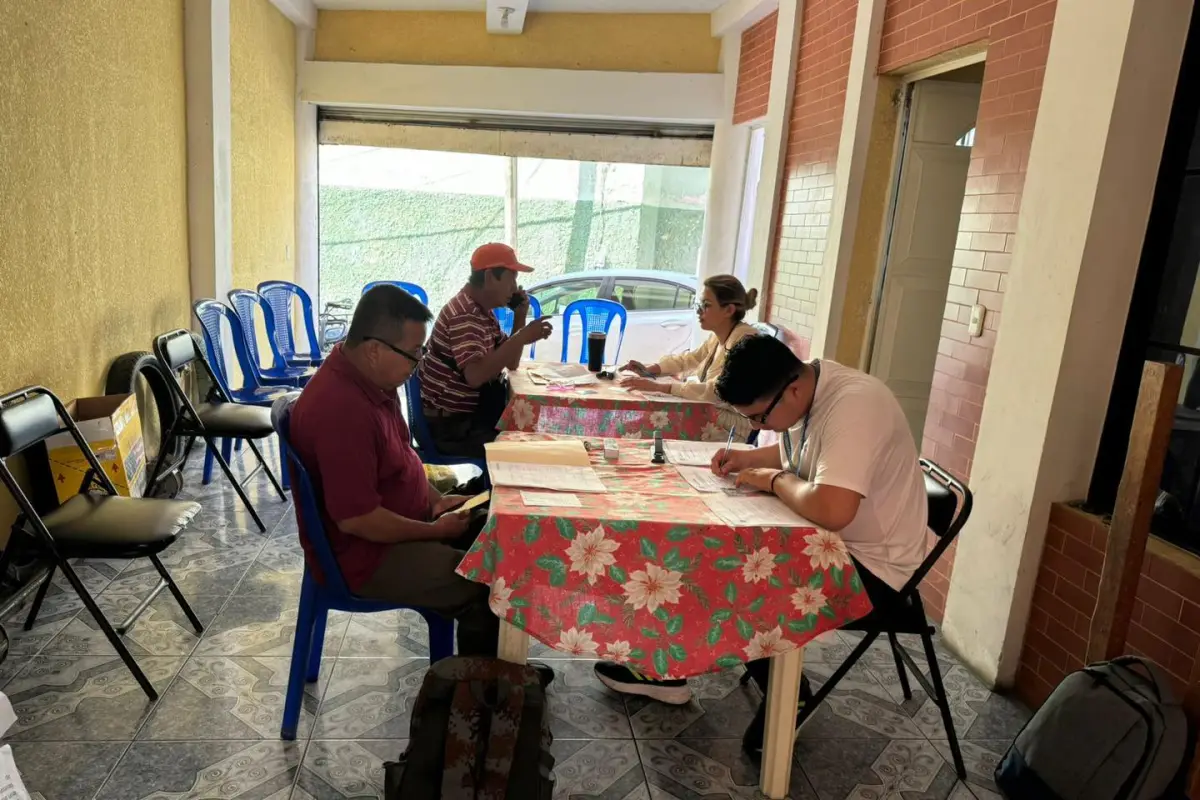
x=85 y=729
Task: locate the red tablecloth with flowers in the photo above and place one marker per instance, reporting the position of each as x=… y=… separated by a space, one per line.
x=605 y=409
x=647 y=575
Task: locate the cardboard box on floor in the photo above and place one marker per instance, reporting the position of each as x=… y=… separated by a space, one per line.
x=113 y=429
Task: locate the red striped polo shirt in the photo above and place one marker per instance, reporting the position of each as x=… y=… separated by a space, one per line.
x=463 y=332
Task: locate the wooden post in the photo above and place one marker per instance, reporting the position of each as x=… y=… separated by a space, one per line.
x=1148 y=439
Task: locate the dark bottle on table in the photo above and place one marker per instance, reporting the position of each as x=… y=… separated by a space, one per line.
x=596 y=341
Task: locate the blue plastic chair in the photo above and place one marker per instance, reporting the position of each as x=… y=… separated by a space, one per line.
x=504 y=315
x=411 y=288
x=419 y=427
x=211 y=314
x=246 y=304
x=332 y=594
x=278 y=296
x=594 y=315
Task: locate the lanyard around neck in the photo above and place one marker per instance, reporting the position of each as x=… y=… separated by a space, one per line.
x=787 y=436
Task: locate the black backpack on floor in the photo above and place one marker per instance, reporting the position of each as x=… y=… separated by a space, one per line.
x=480 y=731
x=1111 y=731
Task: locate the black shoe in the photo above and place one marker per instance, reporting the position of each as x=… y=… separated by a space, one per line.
x=626 y=681
x=752 y=739
x=545 y=673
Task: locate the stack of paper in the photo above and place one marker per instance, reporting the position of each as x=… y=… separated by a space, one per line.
x=702 y=480
x=754 y=511
x=695 y=454
x=555 y=373
x=561 y=465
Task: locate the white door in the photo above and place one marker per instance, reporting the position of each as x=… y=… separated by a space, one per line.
x=916 y=278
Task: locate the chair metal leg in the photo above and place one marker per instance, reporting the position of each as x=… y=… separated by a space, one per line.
x=237 y=487
x=267 y=469
x=895 y=643
x=38 y=598
x=125 y=626
x=109 y=633
x=179 y=598
x=836 y=677
x=320 y=617
x=187 y=452
x=300 y=650
x=935 y=676
x=206 y=477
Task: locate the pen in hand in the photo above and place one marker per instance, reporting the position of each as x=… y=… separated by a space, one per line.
x=728 y=445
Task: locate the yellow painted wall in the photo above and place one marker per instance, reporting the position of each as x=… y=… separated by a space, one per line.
x=93 y=206
x=617 y=42
x=263 y=160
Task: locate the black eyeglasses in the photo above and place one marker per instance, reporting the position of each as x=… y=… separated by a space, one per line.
x=415 y=359
x=761 y=419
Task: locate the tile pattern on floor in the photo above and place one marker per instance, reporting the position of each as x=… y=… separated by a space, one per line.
x=214 y=732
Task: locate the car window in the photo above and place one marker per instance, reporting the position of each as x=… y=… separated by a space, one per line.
x=640 y=295
x=557 y=296
x=685 y=299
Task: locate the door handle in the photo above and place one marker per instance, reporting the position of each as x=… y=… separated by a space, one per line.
x=671 y=326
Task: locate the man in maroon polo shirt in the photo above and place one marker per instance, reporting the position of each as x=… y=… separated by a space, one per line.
x=462 y=388
x=391 y=532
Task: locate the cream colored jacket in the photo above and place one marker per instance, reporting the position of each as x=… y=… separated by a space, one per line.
x=705 y=363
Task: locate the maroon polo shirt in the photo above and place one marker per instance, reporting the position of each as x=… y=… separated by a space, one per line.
x=351 y=437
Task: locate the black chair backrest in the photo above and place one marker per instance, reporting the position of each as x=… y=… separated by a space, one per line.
x=176 y=349
x=950 y=504
x=26 y=418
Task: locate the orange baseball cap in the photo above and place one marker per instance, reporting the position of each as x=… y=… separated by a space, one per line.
x=487 y=256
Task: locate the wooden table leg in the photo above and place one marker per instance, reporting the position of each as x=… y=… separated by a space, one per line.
x=783 y=696
x=514 y=644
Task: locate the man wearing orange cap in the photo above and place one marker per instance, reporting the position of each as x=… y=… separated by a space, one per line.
x=463 y=390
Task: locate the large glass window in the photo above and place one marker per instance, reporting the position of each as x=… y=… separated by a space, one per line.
x=416 y=215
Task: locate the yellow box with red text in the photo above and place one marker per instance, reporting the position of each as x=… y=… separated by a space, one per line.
x=113 y=429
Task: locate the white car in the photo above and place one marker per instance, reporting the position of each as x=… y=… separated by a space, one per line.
x=660 y=307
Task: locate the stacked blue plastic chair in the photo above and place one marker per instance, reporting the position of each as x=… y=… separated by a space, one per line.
x=504 y=315
x=331 y=594
x=419 y=427
x=594 y=315
x=246 y=304
x=411 y=288
x=211 y=314
x=278 y=296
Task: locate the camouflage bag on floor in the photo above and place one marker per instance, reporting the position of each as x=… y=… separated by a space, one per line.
x=480 y=731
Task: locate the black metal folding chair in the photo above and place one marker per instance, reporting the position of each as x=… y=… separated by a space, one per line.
x=218 y=417
x=89 y=524
x=950 y=504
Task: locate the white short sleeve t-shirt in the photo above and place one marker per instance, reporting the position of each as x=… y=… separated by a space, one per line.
x=859 y=439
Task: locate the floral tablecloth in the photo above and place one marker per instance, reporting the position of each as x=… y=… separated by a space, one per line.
x=605 y=409
x=646 y=575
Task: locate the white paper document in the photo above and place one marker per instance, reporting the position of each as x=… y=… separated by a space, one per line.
x=702 y=480
x=579 y=380
x=11 y=785
x=556 y=372
x=545 y=476
x=695 y=454
x=756 y=510
x=561 y=499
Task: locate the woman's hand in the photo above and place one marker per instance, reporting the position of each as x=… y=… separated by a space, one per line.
x=646 y=384
x=757 y=478
x=641 y=369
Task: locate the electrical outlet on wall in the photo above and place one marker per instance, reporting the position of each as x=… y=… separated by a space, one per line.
x=975 y=326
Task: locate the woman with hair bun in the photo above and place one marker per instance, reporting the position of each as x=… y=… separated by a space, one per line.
x=722 y=309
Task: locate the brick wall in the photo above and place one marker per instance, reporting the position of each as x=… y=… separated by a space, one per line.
x=1166 y=613
x=754 y=70
x=1017 y=33
x=826 y=35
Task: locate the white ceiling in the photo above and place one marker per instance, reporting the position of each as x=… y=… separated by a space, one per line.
x=578 y=6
